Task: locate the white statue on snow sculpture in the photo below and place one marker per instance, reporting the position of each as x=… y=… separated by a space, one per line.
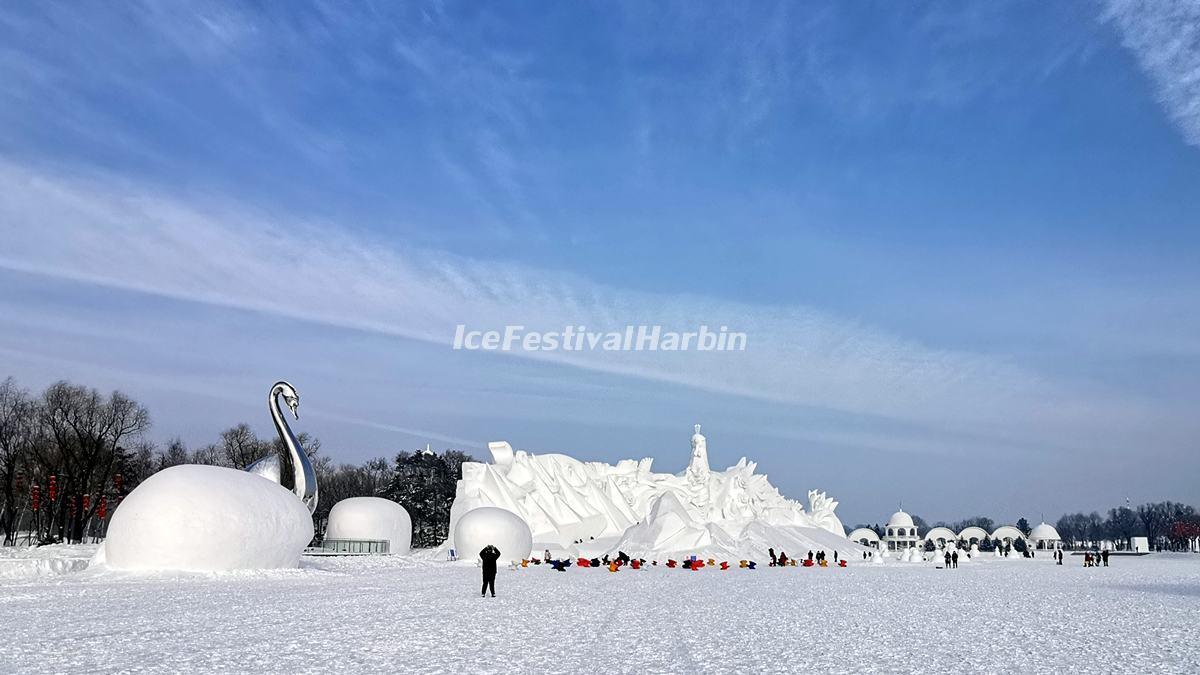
x=565 y=501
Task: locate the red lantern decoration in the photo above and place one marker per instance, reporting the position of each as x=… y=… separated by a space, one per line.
x=87 y=502
x=35 y=497
x=102 y=508
x=53 y=488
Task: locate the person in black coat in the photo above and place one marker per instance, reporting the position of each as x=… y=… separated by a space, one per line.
x=489 y=555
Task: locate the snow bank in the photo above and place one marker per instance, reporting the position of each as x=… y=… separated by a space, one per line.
x=29 y=562
x=371 y=518
x=491 y=525
x=207 y=518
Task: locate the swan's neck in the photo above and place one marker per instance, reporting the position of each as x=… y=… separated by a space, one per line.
x=304 y=479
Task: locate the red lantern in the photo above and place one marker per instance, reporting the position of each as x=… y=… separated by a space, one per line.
x=35 y=497
x=102 y=508
x=53 y=488
x=87 y=502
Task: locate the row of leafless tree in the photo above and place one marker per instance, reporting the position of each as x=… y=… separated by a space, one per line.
x=1157 y=521
x=70 y=454
x=64 y=458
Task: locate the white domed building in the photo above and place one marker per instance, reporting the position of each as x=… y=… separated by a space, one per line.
x=865 y=536
x=1045 y=538
x=901 y=532
x=368 y=525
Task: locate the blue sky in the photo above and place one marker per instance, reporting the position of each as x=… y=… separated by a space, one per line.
x=961 y=237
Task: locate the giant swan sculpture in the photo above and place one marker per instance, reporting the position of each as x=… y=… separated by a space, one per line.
x=211 y=518
x=272 y=467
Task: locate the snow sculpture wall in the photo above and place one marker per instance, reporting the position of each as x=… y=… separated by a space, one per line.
x=371 y=518
x=565 y=500
x=207 y=518
x=490 y=525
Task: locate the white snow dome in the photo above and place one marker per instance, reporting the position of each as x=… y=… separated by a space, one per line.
x=374 y=519
x=900 y=519
x=496 y=526
x=1044 y=536
x=207 y=519
x=1044 y=532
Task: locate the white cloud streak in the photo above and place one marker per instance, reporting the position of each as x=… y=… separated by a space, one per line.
x=99 y=230
x=1164 y=35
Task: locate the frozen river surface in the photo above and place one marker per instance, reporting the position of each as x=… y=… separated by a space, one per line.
x=405 y=615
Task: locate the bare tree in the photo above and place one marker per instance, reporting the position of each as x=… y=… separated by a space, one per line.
x=17 y=432
x=241 y=447
x=87 y=431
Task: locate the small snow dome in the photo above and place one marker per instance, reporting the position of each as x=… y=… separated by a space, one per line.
x=1044 y=536
x=900 y=519
x=371 y=519
x=1044 y=532
x=496 y=526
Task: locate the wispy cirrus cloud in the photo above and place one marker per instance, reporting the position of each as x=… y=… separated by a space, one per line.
x=101 y=230
x=1164 y=36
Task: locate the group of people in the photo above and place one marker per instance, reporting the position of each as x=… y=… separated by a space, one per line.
x=490 y=554
x=1090 y=559
x=817 y=559
x=951 y=559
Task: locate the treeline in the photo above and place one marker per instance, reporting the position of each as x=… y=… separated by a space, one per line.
x=70 y=454
x=1166 y=525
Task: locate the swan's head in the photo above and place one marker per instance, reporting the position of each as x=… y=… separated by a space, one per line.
x=290 y=396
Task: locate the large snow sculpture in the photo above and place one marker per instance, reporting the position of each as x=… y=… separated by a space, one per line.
x=371 y=518
x=207 y=518
x=572 y=505
x=490 y=525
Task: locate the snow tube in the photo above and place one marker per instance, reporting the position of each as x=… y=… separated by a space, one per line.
x=743 y=564
x=724 y=564
x=584 y=562
x=841 y=563
x=808 y=563
x=671 y=563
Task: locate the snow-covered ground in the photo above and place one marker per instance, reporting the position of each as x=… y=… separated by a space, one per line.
x=410 y=615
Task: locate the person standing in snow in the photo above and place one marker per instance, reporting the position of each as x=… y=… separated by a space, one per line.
x=954 y=559
x=771 y=552
x=489 y=555
x=1104 y=557
x=947 y=557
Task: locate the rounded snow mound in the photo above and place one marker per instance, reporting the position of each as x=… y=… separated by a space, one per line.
x=496 y=526
x=207 y=518
x=371 y=518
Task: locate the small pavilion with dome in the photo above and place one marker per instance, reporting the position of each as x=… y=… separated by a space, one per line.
x=901 y=532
